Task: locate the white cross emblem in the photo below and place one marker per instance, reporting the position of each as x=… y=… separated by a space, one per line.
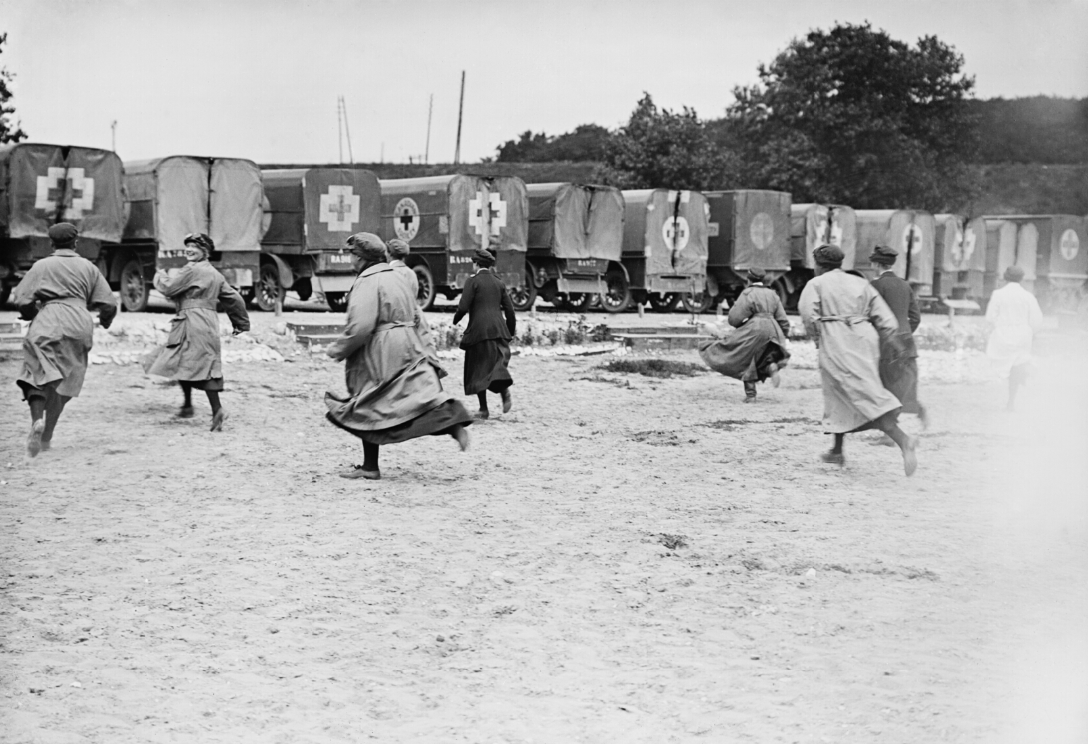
x=912 y=239
x=676 y=232
x=68 y=188
x=963 y=246
x=761 y=231
x=836 y=232
x=340 y=208
x=1070 y=245
x=491 y=221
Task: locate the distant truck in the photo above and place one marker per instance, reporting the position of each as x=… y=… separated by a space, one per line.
x=444 y=219
x=813 y=225
x=959 y=257
x=171 y=197
x=911 y=232
x=664 y=250
x=575 y=234
x=41 y=185
x=311 y=212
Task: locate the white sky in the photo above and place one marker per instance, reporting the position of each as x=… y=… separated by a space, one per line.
x=259 y=79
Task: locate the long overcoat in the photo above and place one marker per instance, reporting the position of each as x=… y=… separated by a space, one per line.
x=898 y=360
x=760 y=321
x=388 y=376
x=422 y=326
x=59 y=339
x=1015 y=315
x=192 y=351
x=847 y=318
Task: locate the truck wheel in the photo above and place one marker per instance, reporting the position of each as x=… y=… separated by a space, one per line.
x=617 y=297
x=337 y=301
x=134 y=289
x=524 y=296
x=425 y=295
x=268 y=291
x=697 y=303
x=782 y=289
x=664 y=303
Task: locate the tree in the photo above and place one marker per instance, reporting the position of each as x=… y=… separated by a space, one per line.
x=8 y=132
x=586 y=143
x=663 y=148
x=853 y=116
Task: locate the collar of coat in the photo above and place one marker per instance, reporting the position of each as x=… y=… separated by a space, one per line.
x=376 y=269
x=65 y=252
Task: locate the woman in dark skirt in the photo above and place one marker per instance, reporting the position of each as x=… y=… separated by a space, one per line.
x=192 y=354
x=394 y=393
x=487 y=339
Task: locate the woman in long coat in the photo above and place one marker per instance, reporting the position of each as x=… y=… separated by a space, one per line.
x=394 y=392
x=67 y=288
x=847 y=319
x=487 y=339
x=757 y=349
x=192 y=354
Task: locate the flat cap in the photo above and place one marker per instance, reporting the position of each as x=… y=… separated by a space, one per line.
x=1014 y=274
x=398 y=248
x=63 y=233
x=882 y=254
x=484 y=257
x=828 y=255
x=367 y=245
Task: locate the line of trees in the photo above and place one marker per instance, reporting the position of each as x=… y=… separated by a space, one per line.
x=846 y=115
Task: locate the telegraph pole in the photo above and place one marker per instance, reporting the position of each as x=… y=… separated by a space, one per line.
x=460 y=112
x=427 y=149
x=113 y=134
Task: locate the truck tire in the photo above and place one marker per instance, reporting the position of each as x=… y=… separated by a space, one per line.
x=134 y=289
x=425 y=295
x=617 y=296
x=524 y=296
x=337 y=301
x=268 y=291
x=664 y=303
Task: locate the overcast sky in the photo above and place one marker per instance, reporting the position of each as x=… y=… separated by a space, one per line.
x=259 y=79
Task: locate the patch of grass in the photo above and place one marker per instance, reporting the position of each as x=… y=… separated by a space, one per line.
x=662 y=368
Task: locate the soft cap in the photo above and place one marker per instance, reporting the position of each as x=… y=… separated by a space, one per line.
x=63 y=233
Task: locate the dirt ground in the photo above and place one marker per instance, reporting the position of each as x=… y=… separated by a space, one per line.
x=619 y=559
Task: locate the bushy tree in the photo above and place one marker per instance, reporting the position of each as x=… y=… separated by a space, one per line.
x=853 y=116
x=9 y=132
x=585 y=144
x=664 y=148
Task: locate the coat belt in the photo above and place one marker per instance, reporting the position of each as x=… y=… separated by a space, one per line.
x=848 y=319
x=390 y=326
x=189 y=304
x=73 y=301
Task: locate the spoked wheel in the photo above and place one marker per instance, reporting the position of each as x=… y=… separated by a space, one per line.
x=337 y=301
x=269 y=291
x=134 y=290
x=617 y=297
x=524 y=296
x=697 y=303
x=425 y=279
x=579 y=302
x=664 y=303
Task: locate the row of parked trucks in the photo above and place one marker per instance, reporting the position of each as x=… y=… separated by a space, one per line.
x=569 y=244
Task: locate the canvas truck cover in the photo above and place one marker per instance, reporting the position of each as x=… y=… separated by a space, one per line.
x=1059 y=241
x=1001 y=237
x=907 y=231
x=749 y=228
x=41 y=185
x=812 y=225
x=456 y=213
x=573 y=221
x=959 y=243
x=317 y=209
x=173 y=196
x=668 y=228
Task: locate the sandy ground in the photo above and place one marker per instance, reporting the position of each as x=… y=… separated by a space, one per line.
x=619 y=559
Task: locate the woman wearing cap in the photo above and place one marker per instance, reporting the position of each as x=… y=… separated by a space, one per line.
x=847 y=319
x=1015 y=316
x=192 y=354
x=757 y=349
x=487 y=339
x=58 y=294
x=394 y=393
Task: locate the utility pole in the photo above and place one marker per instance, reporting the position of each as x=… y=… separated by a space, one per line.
x=113 y=134
x=340 y=129
x=427 y=149
x=347 y=130
x=460 y=112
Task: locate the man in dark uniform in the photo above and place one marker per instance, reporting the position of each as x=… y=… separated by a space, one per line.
x=487 y=339
x=899 y=366
x=58 y=294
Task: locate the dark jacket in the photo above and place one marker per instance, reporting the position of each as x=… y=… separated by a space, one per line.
x=900 y=298
x=485 y=301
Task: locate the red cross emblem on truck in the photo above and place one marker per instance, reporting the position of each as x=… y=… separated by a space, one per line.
x=487 y=213
x=339 y=208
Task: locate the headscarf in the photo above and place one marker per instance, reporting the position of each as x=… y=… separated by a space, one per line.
x=398 y=249
x=63 y=234
x=201 y=241
x=367 y=246
x=484 y=257
x=829 y=256
x=1014 y=274
x=883 y=255
x=756 y=275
